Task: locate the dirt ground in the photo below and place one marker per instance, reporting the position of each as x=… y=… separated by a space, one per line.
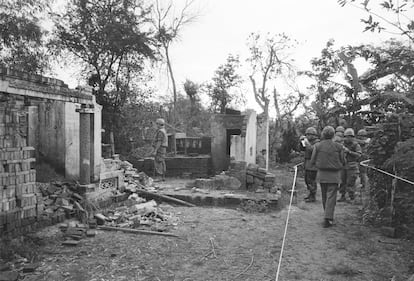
x=246 y=247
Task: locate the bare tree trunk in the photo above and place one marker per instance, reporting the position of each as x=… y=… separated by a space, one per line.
x=174 y=117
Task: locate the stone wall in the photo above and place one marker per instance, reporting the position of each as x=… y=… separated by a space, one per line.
x=258 y=179
x=20 y=202
x=54 y=121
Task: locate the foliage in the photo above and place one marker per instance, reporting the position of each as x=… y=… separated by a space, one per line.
x=22 y=36
x=391 y=149
x=391 y=16
x=192 y=90
x=269 y=58
x=168 y=26
x=390 y=80
x=335 y=99
x=224 y=80
x=111 y=40
x=289 y=143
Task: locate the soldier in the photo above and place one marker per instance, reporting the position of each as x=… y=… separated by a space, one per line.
x=328 y=158
x=339 y=138
x=353 y=153
x=363 y=140
x=339 y=134
x=160 y=149
x=307 y=144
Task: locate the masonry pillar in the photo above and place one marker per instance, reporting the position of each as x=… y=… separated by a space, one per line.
x=85 y=144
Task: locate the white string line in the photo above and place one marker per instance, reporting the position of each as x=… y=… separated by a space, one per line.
x=287 y=221
x=363 y=163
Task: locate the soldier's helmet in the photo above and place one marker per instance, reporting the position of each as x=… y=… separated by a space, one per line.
x=160 y=121
x=340 y=129
x=362 y=133
x=349 y=132
x=311 y=131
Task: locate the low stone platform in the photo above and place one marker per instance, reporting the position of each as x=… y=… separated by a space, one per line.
x=218 y=198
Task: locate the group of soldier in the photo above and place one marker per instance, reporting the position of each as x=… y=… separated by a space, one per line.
x=333 y=160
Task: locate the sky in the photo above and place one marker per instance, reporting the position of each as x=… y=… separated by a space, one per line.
x=224 y=25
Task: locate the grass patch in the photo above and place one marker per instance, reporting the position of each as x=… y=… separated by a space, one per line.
x=25 y=246
x=344 y=270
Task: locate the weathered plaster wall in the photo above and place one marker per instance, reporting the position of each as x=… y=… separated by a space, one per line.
x=251 y=137
x=51 y=145
x=237 y=148
x=71 y=141
x=97 y=142
x=220 y=123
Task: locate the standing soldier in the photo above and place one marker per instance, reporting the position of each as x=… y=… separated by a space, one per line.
x=363 y=140
x=307 y=144
x=353 y=153
x=339 y=134
x=160 y=149
x=339 y=138
x=328 y=157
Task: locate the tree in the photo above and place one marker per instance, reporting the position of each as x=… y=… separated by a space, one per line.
x=338 y=88
x=169 y=25
x=191 y=89
x=392 y=16
x=111 y=40
x=269 y=59
x=225 y=78
x=21 y=35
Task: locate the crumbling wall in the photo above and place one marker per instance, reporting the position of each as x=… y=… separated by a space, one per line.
x=20 y=202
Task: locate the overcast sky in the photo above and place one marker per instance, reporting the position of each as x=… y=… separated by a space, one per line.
x=224 y=25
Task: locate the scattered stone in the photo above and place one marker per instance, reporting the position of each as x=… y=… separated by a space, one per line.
x=218 y=182
x=71 y=243
x=90 y=233
x=31 y=267
x=388 y=231
x=9 y=276
x=100 y=219
x=4 y=267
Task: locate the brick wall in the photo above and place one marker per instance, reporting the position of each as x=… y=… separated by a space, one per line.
x=20 y=201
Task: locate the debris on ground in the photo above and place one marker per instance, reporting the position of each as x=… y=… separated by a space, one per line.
x=252 y=206
x=218 y=182
x=61 y=200
x=138 y=213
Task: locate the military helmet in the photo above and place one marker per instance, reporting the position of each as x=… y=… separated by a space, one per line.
x=362 y=133
x=311 y=131
x=340 y=129
x=349 y=132
x=160 y=121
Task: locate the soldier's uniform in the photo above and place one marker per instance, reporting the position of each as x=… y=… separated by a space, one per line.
x=363 y=142
x=308 y=145
x=160 y=146
x=353 y=153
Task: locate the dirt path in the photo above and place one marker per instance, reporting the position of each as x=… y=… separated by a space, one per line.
x=246 y=247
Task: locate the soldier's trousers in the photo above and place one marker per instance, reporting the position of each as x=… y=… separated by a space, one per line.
x=351 y=175
x=310 y=181
x=159 y=161
x=329 y=193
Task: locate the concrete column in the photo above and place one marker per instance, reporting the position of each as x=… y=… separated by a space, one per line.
x=32 y=128
x=85 y=145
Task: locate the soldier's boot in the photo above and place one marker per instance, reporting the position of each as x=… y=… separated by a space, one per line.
x=328 y=223
x=311 y=198
x=342 y=199
x=307 y=197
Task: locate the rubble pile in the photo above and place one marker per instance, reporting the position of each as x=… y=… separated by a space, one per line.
x=137 y=213
x=61 y=201
x=134 y=179
x=258 y=179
